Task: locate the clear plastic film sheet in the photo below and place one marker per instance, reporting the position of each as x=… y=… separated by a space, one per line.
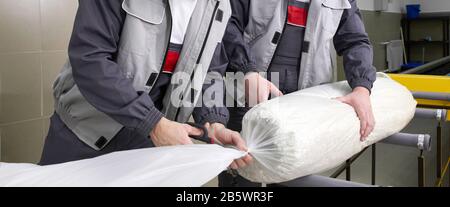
x=179 y=166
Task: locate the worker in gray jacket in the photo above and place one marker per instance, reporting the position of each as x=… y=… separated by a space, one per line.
x=291 y=41
x=124 y=86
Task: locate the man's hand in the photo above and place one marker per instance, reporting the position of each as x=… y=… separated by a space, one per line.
x=169 y=133
x=258 y=89
x=359 y=99
x=226 y=136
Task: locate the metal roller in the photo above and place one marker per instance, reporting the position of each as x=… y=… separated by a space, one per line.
x=420 y=141
x=429 y=66
x=321 y=181
x=432 y=96
x=437 y=114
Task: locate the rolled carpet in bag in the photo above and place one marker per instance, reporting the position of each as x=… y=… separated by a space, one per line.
x=308 y=132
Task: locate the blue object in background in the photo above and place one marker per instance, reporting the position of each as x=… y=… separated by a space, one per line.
x=412 y=11
x=411 y=65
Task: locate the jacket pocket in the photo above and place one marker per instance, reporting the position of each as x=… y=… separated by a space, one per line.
x=69 y=101
x=149 y=11
x=337 y=4
x=144 y=36
x=332 y=11
x=64 y=82
x=144 y=26
x=261 y=15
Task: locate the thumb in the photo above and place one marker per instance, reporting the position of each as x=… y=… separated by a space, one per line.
x=274 y=90
x=211 y=130
x=342 y=99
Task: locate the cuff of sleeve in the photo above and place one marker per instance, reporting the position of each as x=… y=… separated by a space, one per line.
x=211 y=116
x=362 y=82
x=150 y=121
x=214 y=118
x=245 y=67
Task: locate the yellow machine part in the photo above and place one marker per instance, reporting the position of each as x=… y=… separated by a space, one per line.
x=426 y=83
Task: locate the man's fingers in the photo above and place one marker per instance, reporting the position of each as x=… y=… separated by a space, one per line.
x=237 y=141
x=370 y=126
x=364 y=130
x=263 y=91
x=193 y=130
x=262 y=97
x=372 y=121
x=362 y=127
x=368 y=130
x=275 y=91
x=240 y=163
x=187 y=141
x=360 y=101
x=234 y=165
x=247 y=159
x=363 y=123
x=251 y=90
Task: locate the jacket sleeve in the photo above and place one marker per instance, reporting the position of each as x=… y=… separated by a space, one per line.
x=352 y=42
x=213 y=109
x=238 y=51
x=92 y=51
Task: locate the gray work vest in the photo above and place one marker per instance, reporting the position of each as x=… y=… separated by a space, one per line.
x=267 y=20
x=142 y=49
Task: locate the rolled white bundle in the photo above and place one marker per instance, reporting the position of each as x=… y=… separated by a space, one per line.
x=309 y=132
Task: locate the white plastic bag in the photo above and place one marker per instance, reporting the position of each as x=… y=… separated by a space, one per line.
x=309 y=132
x=180 y=166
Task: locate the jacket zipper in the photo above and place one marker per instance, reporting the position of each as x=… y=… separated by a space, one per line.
x=165 y=53
x=208 y=32
x=281 y=36
x=216 y=7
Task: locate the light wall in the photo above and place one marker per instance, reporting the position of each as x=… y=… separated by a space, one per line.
x=390 y=29
x=33 y=42
x=394 y=6
x=378 y=33
x=433 y=6
x=397 y=6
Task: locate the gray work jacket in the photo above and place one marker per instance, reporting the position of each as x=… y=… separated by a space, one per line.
x=255 y=28
x=140 y=53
